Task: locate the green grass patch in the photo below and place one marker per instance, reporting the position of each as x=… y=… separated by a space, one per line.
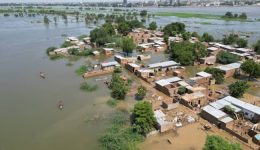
x=82 y=69
x=189 y=15
x=88 y=87
x=195 y=15
x=120 y=134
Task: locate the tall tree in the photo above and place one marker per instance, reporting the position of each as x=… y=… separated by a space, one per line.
x=143 y=117
x=127 y=45
x=152 y=26
x=257 y=47
x=173 y=28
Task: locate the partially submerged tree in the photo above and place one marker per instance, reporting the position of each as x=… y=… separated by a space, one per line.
x=214 y=142
x=206 y=37
x=238 y=88
x=257 y=47
x=152 y=26
x=143 y=117
x=128 y=45
x=174 y=28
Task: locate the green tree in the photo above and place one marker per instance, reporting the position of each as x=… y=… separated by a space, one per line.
x=241 y=43
x=186 y=36
x=243 y=16
x=124 y=28
x=206 y=37
x=227 y=58
x=46 y=20
x=143 y=13
x=143 y=117
x=217 y=74
x=141 y=92
x=214 y=142
x=109 y=28
x=127 y=45
x=118 y=86
x=186 y=52
x=166 y=39
x=251 y=68
x=257 y=47
x=228 y=15
x=230 y=39
x=182 y=90
x=195 y=34
x=152 y=26
x=238 y=88
x=100 y=36
x=173 y=28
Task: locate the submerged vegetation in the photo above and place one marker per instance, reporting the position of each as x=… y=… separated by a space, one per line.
x=120 y=135
x=82 y=69
x=214 y=142
x=88 y=87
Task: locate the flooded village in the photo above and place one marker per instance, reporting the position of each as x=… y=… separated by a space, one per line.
x=179 y=101
x=102 y=76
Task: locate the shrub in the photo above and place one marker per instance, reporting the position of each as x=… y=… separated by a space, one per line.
x=50 y=49
x=88 y=87
x=227 y=58
x=238 y=88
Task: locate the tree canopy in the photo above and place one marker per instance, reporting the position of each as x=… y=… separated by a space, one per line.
x=251 y=68
x=127 y=45
x=206 y=37
x=100 y=35
x=238 y=88
x=143 y=117
x=227 y=58
x=174 y=28
x=118 y=86
x=126 y=26
x=141 y=92
x=152 y=26
x=234 y=39
x=186 y=52
x=217 y=74
x=257 y=47
x=214 y=142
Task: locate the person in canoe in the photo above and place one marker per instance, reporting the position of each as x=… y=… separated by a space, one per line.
x=42 y=75
x=60 y=105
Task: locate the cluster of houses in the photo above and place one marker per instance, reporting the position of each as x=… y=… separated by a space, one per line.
x=167 y=77
x=75 y=43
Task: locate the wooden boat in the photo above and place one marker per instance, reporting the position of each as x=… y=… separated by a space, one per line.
x=42 y=75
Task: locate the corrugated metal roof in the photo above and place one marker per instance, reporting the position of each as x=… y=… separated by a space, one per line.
x=163 y=64
x=243 y=105
x=112 y=63
x=133 y=65
x=214 y=112
x=226 y=119
x=220 y=104
x=204 y=74
x=108 y=49
x=168 y=81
